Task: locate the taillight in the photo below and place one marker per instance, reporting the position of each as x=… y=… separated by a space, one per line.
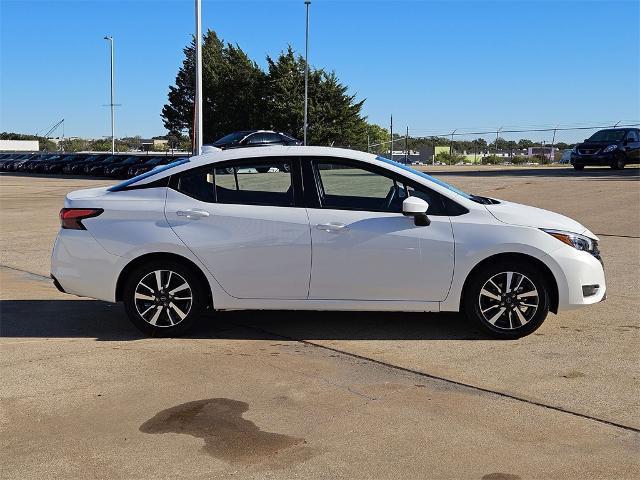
x=71 y=218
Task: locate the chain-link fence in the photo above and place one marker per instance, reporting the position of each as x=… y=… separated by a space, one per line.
x=504 y=145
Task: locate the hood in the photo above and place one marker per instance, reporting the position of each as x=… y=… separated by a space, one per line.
x=518 y=214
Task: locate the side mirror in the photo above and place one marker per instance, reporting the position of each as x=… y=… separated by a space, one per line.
x=417 y=208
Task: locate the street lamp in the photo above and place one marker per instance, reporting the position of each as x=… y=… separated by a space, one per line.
x=113 y=125
x=197 y=114
x=306 y=74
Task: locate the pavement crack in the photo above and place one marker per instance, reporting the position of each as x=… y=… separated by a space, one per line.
x=453 y=382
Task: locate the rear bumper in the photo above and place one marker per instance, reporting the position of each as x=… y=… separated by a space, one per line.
x=80 y=266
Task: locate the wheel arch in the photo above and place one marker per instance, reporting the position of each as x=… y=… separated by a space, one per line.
x=159 y=256
x=554 y=296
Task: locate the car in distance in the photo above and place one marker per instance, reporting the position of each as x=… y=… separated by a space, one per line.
x=322 y=229
x=254 y=138
x=615 y=147
x=148 y=165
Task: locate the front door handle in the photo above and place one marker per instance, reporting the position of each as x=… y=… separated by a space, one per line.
x=192 y=213
x=332 y=227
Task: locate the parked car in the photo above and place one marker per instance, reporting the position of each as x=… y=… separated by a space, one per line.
x=615 y=147
x=189 y=237
x=120 y=169
x=35 y=162
x=77 y=168
x=12 y=164
x=6 y=158
x=148 y=165
x=96 y=169
x=57 y=166
x=254 y=138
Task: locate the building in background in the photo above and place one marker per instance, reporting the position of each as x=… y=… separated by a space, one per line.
x=19 y=145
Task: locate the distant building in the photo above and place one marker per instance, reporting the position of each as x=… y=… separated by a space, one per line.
x=19 y=145
x=547 y=152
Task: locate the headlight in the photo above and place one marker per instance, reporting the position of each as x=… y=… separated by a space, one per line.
x=610 y=148
x=579 y=242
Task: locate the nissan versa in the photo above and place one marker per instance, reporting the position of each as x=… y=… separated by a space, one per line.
x=319 y=229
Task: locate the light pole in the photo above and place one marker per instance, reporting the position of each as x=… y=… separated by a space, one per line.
x=197 y=110
x=306 y=75
x=113 y=123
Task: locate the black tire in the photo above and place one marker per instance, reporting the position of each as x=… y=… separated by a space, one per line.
x=169 y=322
x=619 y=161
x=578 y=167
x=508 y=325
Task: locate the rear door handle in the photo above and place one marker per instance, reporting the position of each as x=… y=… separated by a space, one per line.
x=332 y=227
x=192 y=213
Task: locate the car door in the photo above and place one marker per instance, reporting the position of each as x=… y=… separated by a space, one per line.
x=243 y=221
x=363 y=248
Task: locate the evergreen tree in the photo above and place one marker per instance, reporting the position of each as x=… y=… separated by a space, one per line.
x=238 y=95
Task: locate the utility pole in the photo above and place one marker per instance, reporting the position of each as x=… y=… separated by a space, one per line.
x=197 y=109
x=497 y=134
x=391 y=150
x=433 y=159
x=406 y=147
x=306 y=76
x=451 y=143
x=112 y=104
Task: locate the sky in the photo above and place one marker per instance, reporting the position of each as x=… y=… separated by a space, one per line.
x=436 y=66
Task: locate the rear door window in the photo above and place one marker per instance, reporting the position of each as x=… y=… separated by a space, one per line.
x=260 y=182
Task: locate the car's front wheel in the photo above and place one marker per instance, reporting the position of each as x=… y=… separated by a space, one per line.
x=507 y=300
x=618 y=162
x=164 y=298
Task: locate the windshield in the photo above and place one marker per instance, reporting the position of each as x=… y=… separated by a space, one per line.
x=150 y=173
x=428 y=177
x=231 y=138
x=608 y=136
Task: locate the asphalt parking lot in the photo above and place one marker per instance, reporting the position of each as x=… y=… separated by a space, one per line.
x=316 y=394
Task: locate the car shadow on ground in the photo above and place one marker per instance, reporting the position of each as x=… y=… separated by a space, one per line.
x=107 y=322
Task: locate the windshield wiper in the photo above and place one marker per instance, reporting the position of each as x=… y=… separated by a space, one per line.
x=484 y=200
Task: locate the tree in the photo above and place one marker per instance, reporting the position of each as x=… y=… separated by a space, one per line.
x=231 y=91
x=378 y=137
x=238 y=95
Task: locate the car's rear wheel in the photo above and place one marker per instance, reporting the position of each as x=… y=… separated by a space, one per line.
x=618 y=162
x=507 y=300
x=578 y=167
x=164 y=298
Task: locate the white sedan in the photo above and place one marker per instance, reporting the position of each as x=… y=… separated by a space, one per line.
x=315 y=228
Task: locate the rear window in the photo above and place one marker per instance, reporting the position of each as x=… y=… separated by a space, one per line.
x=150 y=173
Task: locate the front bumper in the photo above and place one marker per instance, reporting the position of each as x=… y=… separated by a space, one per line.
x=599 y=159
x=578 y=269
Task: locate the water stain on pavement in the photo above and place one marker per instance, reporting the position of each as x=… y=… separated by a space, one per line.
x=227 y=436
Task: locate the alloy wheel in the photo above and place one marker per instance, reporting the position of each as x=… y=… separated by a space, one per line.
x=508 y=300
x=163 y=298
